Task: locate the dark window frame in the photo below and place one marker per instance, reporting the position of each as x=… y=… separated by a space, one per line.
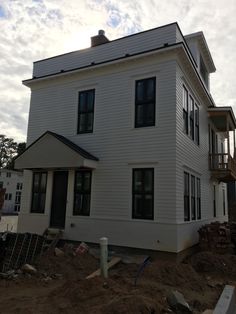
x=186 y=197
x=193 y=198
x=199 y=209
x=185 y=110
x=191 y=118
x=85 y=112
x=82 y=211
x=40 y=206
x=143 y=194
x=145 y=103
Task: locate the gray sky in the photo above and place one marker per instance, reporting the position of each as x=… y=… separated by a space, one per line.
x=35 y=29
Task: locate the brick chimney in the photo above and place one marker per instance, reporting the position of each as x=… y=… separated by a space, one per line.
x=99 y=39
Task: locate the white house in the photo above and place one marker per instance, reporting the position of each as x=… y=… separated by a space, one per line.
x=12 y=181
x=125 y=141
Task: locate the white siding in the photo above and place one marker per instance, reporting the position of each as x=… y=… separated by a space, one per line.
x=115 y=49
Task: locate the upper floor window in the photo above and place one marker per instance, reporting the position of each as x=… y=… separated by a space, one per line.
x=8 y=174
x=19 y=186
x=18 y=197
x=190 y=116
x=8 y=196
x=39 y=192
x=86 y=111
x=1 y=184
x=192 y=197
x=143 y=193
x=145 y=102
x=82 y=192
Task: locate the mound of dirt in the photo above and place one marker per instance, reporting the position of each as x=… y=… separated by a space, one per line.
x=132 y=304
x=211 y=263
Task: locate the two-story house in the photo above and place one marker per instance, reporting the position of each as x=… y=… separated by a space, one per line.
x=12 y=181
x=125 y=141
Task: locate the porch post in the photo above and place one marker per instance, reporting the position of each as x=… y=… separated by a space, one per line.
x=228 y=136
x=234 y=143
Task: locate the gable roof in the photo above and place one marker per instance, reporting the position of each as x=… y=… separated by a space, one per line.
x=52 y=150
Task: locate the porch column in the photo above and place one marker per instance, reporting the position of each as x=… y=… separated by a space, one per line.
x=228 y=143
x=234 y=142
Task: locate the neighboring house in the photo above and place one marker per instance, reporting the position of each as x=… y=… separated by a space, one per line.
x=125 y=141
x=12 y=181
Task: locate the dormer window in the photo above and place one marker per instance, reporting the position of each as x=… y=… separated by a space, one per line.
x=203 y=71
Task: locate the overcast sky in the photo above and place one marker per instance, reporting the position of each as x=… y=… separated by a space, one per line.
x=35 y=29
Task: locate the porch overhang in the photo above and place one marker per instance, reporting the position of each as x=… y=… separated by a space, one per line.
x=223 y=118
x=53 y=151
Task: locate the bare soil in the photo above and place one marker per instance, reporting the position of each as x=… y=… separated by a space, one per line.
x=60 y=285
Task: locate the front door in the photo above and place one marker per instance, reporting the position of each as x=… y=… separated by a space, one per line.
x=59 y=198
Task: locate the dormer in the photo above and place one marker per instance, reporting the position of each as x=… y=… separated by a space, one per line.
x=202 y=56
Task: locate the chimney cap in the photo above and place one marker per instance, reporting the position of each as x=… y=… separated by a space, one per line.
x=101 y=32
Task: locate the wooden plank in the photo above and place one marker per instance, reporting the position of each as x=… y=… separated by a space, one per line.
x=114 y=261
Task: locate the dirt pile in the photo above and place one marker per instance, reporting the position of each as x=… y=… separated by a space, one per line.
x=60 y=285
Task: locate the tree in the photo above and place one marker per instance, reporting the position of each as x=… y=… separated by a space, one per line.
x=8 y=150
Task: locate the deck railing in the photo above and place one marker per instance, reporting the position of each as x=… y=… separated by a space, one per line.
x=222 y=162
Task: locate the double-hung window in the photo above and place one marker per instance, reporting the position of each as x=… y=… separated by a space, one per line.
x=190 y=116
x=82 y=192
x=192 y=197
x=145 y=102
x=86 y=111
x=39 y=192
x=143 y=193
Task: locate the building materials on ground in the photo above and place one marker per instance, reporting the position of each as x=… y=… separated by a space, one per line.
x=113 y=262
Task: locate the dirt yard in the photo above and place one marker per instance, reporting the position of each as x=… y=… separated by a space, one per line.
x=59 y=286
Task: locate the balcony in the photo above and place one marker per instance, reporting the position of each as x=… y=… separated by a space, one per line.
x=222 y=167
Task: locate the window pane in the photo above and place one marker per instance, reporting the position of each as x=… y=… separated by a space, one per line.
x=185 y=99
x=138 y=181
x=36 y=181
x=89 y=121
x=82 y=122
x=43 y=182
x=82 y=102
x=78 y=203
x=78 y=182
x=35 y=202
x=86 y=204
x=90 y=100
x=138 y=206
x=42 y=202
x=140 y=114
x=87 y=177
x=150 y=89
x=140 y=91
x=148 y=183
x=148 y=201
x=150 y=114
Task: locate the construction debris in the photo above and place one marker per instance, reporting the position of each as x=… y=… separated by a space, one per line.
x=58 y=252
x=113 y=262
x=29 y=269
x=177 y=303
x=216 y=236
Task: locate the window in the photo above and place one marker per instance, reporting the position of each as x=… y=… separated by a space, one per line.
x=86 y=111
x=145 y=102
x=1 y=185
x=19 y=186
x=17 y=208
x=190 y=116
x=186 y=197
x=143 y=193
x=8 y=196
x=224 y=212
x=18 y=197
x=192 y=197
x=185 y=109
x=82 y=192
x=39 y=192
x=8 y=174
x=198 y=199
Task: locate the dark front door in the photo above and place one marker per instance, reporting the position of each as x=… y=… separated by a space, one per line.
x=59 y=197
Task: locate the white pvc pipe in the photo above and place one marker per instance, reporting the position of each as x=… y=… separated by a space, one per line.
x=103 y=257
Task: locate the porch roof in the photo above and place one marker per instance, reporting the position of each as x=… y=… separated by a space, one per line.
x=221 y=116
x=51 y=151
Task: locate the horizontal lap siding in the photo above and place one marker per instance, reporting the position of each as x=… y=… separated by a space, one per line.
x=114 y=141
x=131 y=44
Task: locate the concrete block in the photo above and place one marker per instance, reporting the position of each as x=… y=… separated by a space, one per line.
x=227 y=302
